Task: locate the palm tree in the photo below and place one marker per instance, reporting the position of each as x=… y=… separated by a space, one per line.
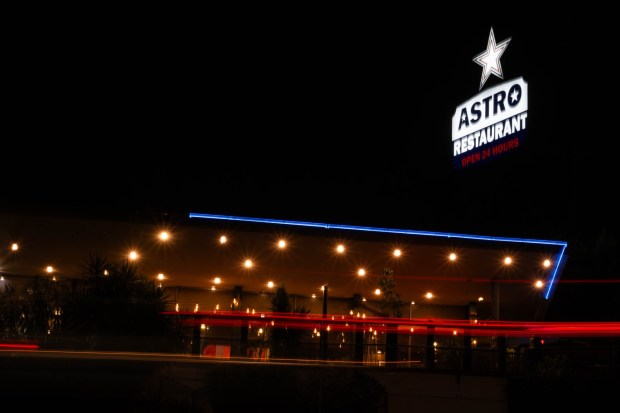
x=117 y=308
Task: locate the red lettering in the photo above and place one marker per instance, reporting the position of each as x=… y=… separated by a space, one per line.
x=469 y=159
x=505 y=146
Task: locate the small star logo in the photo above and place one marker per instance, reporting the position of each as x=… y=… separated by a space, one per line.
x=489 y=59
x=515 y=95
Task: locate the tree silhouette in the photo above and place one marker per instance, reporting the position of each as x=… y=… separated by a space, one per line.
x=391 y=303
x=285 y=341
x=390 y=299
x=32 y=313
x=117 y=308
x=12 y=306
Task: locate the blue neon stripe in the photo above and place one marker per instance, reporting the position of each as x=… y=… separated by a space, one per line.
x=375 y=229
x=555 y=271
x=562 y=244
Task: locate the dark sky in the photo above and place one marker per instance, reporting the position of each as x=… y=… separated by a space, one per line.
x=338 y=117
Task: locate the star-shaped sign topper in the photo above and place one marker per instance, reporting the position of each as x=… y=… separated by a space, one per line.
x=489 y=59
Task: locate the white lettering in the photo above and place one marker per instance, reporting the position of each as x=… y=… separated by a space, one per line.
x=489 y=107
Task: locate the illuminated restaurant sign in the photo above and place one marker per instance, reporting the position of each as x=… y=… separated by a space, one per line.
x=494 y=121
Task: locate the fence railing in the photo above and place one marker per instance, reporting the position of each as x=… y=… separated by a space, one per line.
x=441 y=345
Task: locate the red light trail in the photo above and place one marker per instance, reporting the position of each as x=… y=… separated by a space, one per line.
x=341 y=323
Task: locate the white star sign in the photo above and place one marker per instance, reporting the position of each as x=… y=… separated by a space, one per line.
x=489 y=59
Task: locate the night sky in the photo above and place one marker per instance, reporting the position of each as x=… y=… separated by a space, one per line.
x=341 y=117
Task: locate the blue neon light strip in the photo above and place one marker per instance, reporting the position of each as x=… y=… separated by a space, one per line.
x=555 y=271
x=562 y=244
x=374 y=229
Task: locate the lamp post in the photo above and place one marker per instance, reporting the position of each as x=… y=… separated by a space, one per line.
x=323 y=341
x=409 y=348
